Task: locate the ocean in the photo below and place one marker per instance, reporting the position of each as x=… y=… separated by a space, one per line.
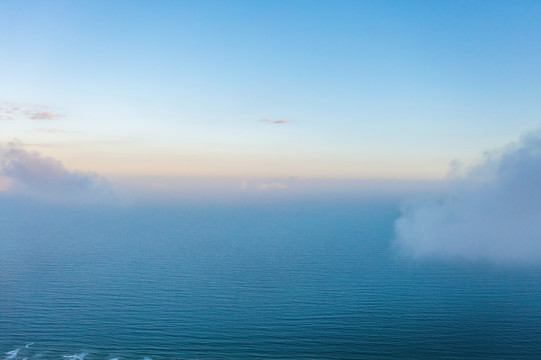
x=304 y=279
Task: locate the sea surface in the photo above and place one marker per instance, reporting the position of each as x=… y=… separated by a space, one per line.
x=311 y=279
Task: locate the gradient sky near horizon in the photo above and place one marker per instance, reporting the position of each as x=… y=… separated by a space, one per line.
x=350 y=89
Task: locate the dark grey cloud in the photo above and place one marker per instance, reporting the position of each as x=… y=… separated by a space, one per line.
x=36 y=176
x=490 y=211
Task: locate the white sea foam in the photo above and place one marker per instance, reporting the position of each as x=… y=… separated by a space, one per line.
x=80 y=356
x=12 y=354
x=28 y=345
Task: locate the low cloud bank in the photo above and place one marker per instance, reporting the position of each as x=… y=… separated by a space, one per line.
x=490 y=211
x=30 y=174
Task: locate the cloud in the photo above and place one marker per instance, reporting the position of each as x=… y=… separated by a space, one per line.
x=55 y=130
x=8 y=110
x=272 y=186
x=490 y=211
x=41 y=115
x=257 y=184
x=30 y=174
x=12 y=111
x=271 y=121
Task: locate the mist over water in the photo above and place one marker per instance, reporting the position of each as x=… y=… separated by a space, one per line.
x=490 y=211
x=301 y=279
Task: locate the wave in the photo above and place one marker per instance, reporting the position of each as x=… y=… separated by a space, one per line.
x=12 y=354
x=25 y=353
x=80 y=356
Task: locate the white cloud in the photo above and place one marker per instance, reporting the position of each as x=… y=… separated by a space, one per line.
x=490 y=211
x=30 y=174
x=272 y=186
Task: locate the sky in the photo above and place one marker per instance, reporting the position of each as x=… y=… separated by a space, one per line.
x=267 y=89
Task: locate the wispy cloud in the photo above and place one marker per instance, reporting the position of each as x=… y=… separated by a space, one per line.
x=36 y=176
x=8 y=110
x=13 y=111
x=271 y=121
x=272 y=186
x=490 y=211
x=41 y=115
x=56 y=131
x=263 y=185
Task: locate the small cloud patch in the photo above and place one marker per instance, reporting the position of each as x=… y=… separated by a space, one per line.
x=271 y=121
x=41 y=115
x=56 y=131
x=262 y=185
x=14 y=111
x=272 y=186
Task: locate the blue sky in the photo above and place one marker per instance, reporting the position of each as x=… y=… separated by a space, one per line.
x=381 y=89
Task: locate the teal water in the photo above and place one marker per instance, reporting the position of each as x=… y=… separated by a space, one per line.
x=305 y=280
